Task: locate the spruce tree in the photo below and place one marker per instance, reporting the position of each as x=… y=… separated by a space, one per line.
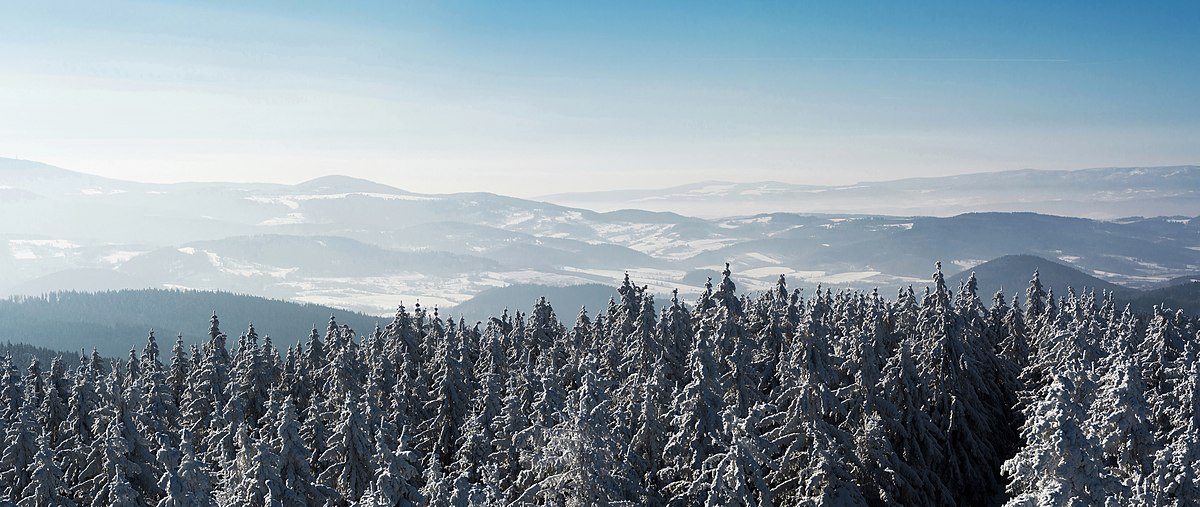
x=1059 y=464
x=46 y=486
x=350 y=457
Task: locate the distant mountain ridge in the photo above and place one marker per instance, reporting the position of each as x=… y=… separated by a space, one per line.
x=1106 y=193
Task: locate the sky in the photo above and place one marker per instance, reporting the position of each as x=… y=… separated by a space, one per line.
x=530 y=98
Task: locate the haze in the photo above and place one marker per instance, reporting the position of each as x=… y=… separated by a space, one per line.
x=541 y=97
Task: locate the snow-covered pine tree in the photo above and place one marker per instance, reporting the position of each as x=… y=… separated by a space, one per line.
x=579 y=463
x=676 y=338
x=295 y=472
x=960 y=399
x=159 y=415
x=395 y=484
x=644 y=452
x=53 y=410
x=253 y=477
x=20 y=449
x=773 y=322
x=12 y=392
x=737 y=474
x=1035 y=300
x=448 y=406
x=695 y=421
x=1120 y=422
x=120 y=492
x=195 y=478
x=46 y=486
x=1059 y=464
x=1173 y=479
x=349 y=455
x=917 y=441
x=178 y=376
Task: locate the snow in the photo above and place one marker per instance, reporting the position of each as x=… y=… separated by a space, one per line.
x=711 y=190
x=764 y=190
x=533 y=277
x=293 y=201
x=377 y=304
x=767 y=272
x=247 y=269
x=704 y=245
x=1130 y=280
x=762 y=257
x=764 y=277
x=847 y=277
x=30 y=249
x=120 y=256
x=518 y=218
x=638 y=273
x=656 y=240
x=569 y=217
x=274 y=200
x=100 y=191
x=967 y=263
x=250 y=270
x=289 y=219
x=379 y=295
x=213 y=258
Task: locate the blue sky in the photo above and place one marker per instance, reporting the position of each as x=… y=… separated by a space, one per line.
x=528 y=98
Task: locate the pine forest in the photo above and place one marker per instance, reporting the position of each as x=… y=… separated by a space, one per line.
x=933 y=397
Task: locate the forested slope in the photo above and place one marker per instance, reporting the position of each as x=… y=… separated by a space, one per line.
x=115 y=321
x=848 y=398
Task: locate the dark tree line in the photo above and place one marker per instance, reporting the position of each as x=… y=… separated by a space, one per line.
x=849 y=398
x=74 y=321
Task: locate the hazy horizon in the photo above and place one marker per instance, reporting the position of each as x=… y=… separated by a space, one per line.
x=282 y=179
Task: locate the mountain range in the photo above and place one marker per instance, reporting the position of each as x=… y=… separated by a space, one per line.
x=1104 y=193
x=364 y=246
